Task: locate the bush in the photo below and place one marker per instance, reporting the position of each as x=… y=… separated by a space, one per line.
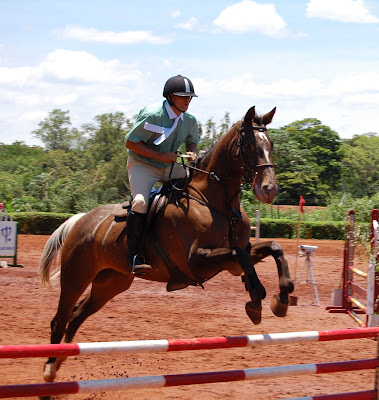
x=39 y=223
x=323 y=230
x=275 y=228
x=285 y=228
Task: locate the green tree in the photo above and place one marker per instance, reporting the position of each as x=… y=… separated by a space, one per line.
x=323 y=144
x=307 y=159
x=19 y=165
x=224 y=125
x=360 y=165
x=56 y=133
x=107 y=154
x=294 y=173
x=209 y=135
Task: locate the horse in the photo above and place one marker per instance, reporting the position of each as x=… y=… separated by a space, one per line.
x=199 y=233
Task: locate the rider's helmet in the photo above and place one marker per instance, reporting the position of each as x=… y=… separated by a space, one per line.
x=179 y=86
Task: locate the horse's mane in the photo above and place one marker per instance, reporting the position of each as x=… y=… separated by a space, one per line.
x=258 y=119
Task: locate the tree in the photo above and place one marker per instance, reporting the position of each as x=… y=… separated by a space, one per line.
x=225 y=124
x=307 y=158
x=19 y=165
x=295 y=174
x=107 y=154
x=360 y=165
x=55 y=132
x=323 y=144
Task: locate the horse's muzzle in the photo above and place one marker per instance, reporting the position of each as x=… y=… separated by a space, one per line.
x=266 y=193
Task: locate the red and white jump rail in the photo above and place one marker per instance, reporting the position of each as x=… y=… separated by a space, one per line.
x=364 y=395
x=350 y=304
x=160 y=381
x=145 y=346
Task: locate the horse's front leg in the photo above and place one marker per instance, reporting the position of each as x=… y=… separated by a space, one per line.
x=214 y=259
x=279 y=302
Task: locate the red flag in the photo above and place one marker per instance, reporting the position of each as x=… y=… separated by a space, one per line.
x=301 y=204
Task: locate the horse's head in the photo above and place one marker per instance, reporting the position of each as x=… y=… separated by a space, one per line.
x=255 y=148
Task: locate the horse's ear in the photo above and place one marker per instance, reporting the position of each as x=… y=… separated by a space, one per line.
x=269 y=116
x=249 y=116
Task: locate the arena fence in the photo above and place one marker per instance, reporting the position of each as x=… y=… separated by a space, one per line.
x=366 y=286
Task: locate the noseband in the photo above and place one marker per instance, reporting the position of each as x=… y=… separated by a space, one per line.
x=249 y=166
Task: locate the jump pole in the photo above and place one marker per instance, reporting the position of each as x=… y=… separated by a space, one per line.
x=163 y=345
x=160 y=381
x=364 y=395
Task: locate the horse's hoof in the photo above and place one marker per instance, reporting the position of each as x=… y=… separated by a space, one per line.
x=254 y=312
x=277 y=307
x=50 y=372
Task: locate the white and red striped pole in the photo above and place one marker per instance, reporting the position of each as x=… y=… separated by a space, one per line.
x=364 y=395
x=159 y=381
x=224 y=342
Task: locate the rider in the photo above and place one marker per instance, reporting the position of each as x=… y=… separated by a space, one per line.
x=152 y=144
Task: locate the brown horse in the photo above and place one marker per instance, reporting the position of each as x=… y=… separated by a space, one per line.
x=200 y=233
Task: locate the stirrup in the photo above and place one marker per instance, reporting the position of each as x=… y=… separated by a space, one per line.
x=140 y=269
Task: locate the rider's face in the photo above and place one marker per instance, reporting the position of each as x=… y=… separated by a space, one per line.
x=181 y=103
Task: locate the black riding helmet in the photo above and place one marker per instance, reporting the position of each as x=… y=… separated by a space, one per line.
x=179 y=86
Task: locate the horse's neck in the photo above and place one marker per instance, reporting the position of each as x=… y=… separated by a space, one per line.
x=224 y=192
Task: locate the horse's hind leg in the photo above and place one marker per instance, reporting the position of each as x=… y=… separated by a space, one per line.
x=71 y=290
x=107 y=284
x=279 y=302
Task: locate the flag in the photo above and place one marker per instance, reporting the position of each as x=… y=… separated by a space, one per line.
x=301 y=204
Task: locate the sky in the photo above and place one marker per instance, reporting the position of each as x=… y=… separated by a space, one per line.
x=310 y=59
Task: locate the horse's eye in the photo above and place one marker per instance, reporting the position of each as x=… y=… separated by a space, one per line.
x=272 y=145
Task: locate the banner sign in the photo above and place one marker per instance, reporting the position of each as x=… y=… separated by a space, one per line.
x=8 y=238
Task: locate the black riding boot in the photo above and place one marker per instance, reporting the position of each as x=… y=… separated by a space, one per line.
x=136 y=224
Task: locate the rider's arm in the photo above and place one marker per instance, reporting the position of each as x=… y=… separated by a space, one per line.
x=145 y=151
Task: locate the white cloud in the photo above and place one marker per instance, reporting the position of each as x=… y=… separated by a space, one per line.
x=14 y=76
x=249 y=16
x=189 y=25
x=72 y=80
x=248 y=85
x=82 y=66
x=32 y=116
x=128 y=37
x=341 y=10
x=68 y=67
x=347 y=104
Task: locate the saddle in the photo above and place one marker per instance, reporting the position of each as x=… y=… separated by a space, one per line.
x=158 y=200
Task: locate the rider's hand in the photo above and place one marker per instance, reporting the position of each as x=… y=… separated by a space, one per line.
x=193 y=156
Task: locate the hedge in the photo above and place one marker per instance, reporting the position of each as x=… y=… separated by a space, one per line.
x=285 y=228
x=40 y=223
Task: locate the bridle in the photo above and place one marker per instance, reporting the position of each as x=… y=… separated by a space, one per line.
x=249 y=166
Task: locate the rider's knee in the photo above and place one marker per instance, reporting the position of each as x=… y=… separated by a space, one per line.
x=139 y=204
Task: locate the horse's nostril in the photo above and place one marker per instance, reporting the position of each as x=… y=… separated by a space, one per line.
x=267 y=188
x=270 y=190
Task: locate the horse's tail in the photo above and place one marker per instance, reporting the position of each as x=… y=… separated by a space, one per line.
x=52 y=249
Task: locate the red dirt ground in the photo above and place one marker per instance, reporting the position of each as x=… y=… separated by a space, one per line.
x=147 y=311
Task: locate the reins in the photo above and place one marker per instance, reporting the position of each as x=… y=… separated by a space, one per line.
x=211 y=174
